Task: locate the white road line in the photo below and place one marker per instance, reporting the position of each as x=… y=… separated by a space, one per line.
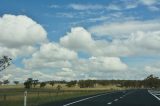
x=153 y=95
x=86 y=99
x=121 y=97
x=109 y=103
x=128 y=93
x=116 y=100
x=89 y=98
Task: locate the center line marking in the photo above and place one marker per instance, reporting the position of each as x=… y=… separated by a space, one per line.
x=109 y=103
x=116 y=100
x=87 y=98
x=121 y=97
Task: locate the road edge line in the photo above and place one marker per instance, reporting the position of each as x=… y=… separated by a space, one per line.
x=86 y=99
x=154 y=95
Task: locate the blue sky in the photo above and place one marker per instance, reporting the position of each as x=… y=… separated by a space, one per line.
x=126 y=32
x=46 y=13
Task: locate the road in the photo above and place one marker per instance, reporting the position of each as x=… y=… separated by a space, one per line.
x=122 y=98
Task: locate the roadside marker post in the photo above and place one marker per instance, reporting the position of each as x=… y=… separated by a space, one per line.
x=25 y=98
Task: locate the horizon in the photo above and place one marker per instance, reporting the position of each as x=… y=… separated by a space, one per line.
x=75 y=40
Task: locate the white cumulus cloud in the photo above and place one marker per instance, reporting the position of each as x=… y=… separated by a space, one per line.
x=19 y=35
x=51 y=55
x=78 y=38
x=120 y=29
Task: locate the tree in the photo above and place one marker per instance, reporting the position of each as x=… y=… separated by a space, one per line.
x=151 y=81
x=86 y=83
x=34 y=82
x=1 y=82
x=42 y=84
x=71 y=83
x=16 y=82
x=59 y=87
x=28 y=83
x=51 y=83
x=6 y=82
x=5 y=61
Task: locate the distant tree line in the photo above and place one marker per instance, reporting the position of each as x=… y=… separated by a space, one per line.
x=149 y=82
x=5 y=82
x=87 y=83
x=31 y=83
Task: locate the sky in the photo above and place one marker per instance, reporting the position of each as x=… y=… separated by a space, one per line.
x=80 y=39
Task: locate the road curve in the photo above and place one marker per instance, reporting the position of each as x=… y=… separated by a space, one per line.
x=122 y=98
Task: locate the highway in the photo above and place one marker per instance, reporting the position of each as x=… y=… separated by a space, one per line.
x=140 y=97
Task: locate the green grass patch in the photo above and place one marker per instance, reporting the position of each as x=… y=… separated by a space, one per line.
x=37 y=97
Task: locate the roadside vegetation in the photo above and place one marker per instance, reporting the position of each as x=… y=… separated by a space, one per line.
x=52 y=91
x=13 y=95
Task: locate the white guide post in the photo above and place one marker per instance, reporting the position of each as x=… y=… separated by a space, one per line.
x=25 y=98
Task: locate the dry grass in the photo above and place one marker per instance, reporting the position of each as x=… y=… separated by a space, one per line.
x=15 y=93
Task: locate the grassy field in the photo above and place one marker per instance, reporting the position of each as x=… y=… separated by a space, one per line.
x=13 y=95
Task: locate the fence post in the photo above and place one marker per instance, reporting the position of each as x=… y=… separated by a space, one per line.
x=25 y=98
x=38 y=98
x=5 y=97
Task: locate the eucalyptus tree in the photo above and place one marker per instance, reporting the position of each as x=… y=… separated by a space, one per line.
x=5 y=61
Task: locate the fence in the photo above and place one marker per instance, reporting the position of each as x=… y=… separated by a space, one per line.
x=37 y=97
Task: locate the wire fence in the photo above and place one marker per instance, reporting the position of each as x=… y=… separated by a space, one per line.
x=38 y=97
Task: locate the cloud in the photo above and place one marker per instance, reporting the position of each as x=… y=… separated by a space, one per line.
x=98 y=64
x=14 y=73
x=41 y=76
x=20 y=28
x=131 y=5
x=60 y=60
x=64 y=63
x=50 y=55
x=139 y=43
x=92 y=68
x=116 y=6
x=151 y=4
x=110 y=17
x=54 y=6
x=154 y=8
x=106 y=64
x=109 y=6
x=82 y=68
x=5 y=77
x=19 y=35
x=148 y=2
x=86 y=6
x=153 y=68
x=67 y=74
x=77 y=39
x=113 y=7
x=148 y=40
x=120 y=29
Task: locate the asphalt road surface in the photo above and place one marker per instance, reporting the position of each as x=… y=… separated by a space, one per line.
x=122 y=98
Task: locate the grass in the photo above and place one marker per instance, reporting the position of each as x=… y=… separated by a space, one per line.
x=12 y=95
